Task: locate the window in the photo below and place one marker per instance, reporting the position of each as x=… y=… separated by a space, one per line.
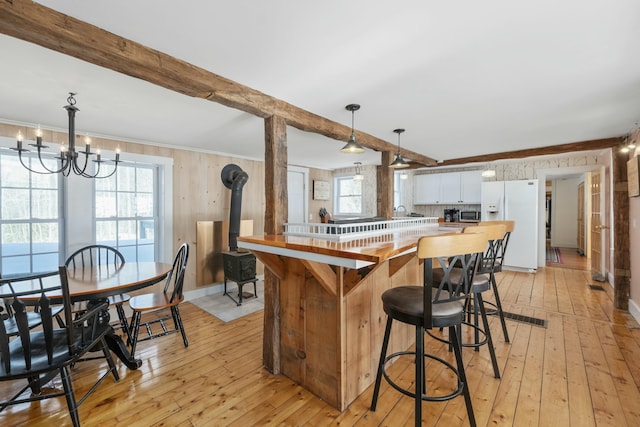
x=127 y=211
x=348 y=199
x=30 y=217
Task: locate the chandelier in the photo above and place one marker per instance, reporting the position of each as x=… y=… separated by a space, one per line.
x=70 y=158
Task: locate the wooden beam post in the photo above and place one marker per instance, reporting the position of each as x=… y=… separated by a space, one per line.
x=275 y=215
x=622 y=252
x=384 y=184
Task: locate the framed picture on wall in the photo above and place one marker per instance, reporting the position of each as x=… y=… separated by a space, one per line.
x=320 y=190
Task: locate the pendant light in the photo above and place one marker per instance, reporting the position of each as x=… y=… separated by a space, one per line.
x=399 y=162
x=358 y=176
x=352 y=146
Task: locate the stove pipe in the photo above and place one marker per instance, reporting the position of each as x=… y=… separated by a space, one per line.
x=234 y=178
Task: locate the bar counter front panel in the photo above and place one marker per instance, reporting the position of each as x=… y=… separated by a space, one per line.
x=331 y=320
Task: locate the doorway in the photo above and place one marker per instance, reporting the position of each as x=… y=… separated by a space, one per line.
x=297 y=194
x=565 y=239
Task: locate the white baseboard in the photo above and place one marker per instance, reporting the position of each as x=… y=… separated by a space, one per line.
x=634 y=310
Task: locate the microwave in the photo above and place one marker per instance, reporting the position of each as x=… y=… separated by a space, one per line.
x=469 y=216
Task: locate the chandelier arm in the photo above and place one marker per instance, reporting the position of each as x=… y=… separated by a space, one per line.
x=77 y=169
x=47 y=170
x=115 y=167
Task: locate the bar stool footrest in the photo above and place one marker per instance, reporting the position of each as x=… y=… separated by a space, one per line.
x=425 y=397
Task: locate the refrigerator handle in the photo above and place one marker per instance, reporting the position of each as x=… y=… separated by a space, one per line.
x=505 y=207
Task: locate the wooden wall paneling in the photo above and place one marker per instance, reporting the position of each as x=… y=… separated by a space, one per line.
x=622 y=264
x=292 y=322
x=315 y=205
x=275 y=214
x=358 y=330
x=204 y=253
x=322 y=313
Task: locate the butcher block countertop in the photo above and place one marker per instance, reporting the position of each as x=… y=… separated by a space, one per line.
x=353 y=253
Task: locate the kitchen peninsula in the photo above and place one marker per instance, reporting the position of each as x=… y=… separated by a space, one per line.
x=331 y=320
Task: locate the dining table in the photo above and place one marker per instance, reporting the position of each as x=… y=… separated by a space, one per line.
x=96 y=283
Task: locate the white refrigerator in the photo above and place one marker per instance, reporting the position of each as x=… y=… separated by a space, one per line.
x=517 y=201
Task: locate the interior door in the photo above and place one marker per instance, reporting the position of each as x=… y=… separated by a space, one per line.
x=297 y=195
x=597 y=222
x=581 y=235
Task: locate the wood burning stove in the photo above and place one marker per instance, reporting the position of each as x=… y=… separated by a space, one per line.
x=239 y=267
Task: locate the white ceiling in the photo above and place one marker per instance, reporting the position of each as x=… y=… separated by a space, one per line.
x=462 y=77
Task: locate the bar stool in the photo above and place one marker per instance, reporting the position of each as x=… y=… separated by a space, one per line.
x=480 y=284
x=497 y=268
x=432 y=305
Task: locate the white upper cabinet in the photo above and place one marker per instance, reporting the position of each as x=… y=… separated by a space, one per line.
x=448 y=188
x=471 y=187
x=426 y=189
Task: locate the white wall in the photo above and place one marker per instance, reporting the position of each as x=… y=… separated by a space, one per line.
x=564 y=212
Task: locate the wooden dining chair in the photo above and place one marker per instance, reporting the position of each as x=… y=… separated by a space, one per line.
x=39 y=354
x=95 y=255
x=169 y=298
x=434 y=304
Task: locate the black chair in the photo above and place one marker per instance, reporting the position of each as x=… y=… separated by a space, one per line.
x=159 y=300
x=94 y=255
x=501 y=250
x=33 y=318
x=40 y=354
x=432 y=305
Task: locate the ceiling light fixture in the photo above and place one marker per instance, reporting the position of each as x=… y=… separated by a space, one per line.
x=488 y=173
x=68 y=155
x=352 y=146
x=399 y=162
x=628 y=143
x=358 y=176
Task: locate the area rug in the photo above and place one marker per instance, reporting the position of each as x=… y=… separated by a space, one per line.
x=553 y=255
x=222 y=307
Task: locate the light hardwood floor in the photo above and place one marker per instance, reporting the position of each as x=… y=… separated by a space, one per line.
x=582 y=370
x=571 y=259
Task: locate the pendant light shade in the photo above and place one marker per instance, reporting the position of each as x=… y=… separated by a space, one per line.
x=358 y=176
x=352 y=146
x=399 y=162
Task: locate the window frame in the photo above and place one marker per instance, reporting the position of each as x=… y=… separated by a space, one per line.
x=138 y=219
x=338 y=196
x=60 y=188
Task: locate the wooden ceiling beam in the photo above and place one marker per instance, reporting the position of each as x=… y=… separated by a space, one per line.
x=32 y=22
x=595 y=144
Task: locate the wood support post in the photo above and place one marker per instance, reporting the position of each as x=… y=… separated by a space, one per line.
x=622 y=254
x=384 y=183
x=275 y=215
